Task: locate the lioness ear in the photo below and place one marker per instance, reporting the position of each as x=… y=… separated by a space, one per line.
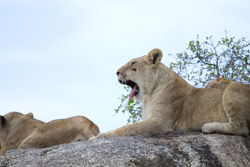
x=30 y=115
x=3 y=120
x=154 y=56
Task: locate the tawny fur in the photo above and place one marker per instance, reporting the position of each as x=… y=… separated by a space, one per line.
x=219 y=83
x=23 y=131
x=169 y=103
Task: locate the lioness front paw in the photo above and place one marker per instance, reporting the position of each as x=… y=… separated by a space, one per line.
x=110 y=134
x=210 y=127
x=93 y=138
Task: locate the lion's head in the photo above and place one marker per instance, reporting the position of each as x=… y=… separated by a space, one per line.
x=140 y=73
x=14 y=118
x=14 y=128
x=15 y=122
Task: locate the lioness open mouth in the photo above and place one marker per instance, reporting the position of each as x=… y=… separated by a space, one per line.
x=135 y=88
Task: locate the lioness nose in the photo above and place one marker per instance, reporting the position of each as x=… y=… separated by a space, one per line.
x=117 y=73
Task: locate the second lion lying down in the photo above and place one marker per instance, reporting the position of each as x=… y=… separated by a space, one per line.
x=23 y=131
x=169 y=103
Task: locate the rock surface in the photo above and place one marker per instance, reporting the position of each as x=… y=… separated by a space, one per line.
x=173 y=149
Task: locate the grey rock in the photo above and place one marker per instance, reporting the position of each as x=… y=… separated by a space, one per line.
x=192 y=149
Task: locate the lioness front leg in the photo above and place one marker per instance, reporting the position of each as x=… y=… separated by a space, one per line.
x=146 y=127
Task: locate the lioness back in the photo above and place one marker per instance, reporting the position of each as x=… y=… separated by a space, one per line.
x=61 y=131
x=221 y=83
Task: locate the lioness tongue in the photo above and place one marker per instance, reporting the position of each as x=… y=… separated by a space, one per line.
x=132 y=93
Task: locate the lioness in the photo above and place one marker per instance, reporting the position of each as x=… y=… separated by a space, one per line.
x=23 y=131
x=169 y=103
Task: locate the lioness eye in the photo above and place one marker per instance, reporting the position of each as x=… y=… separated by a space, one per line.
x=132 y=63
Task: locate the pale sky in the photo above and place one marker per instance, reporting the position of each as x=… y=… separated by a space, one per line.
x=58 y=58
